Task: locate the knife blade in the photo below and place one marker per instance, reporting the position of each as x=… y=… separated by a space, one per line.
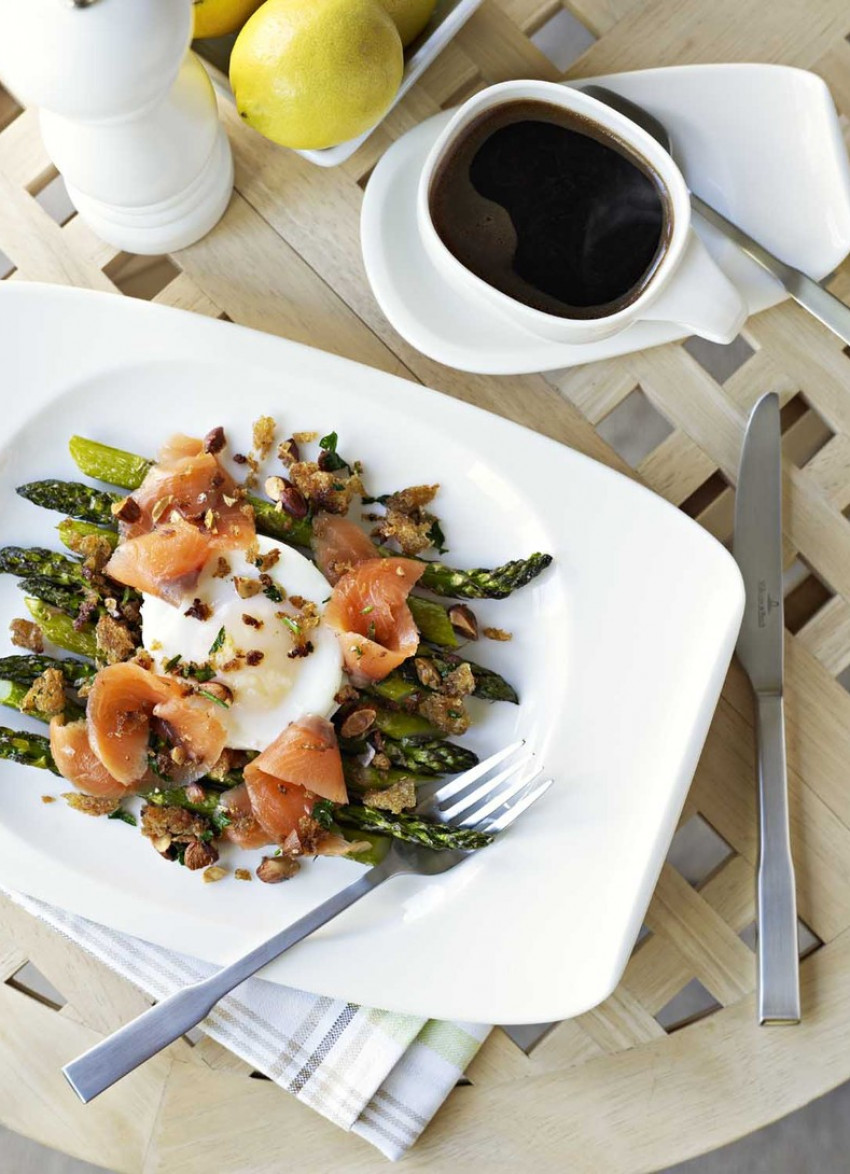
x=758 y=551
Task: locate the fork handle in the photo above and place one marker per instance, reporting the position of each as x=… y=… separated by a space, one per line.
x=105 y=1063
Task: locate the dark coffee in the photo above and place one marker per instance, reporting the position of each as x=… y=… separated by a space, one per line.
x=547 y=207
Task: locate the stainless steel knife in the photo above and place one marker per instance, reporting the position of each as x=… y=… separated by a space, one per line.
x=758 y=552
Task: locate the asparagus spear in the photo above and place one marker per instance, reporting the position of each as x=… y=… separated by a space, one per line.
x=27 y=749
x=403 y=681
x=12 y=694
x=202 y=801
x=127 y=470
x=47 y=564
x=433 y=622
x=481 y=582
x=57 y=579
x=25 y=669
x=63 y=598
x=34 y=750
x=59 y=629
x=274 y=523
x=72 y=498
x=411 y=828
x=433 y=757
x=369 y=778
x=72 y=530
x=401 y=724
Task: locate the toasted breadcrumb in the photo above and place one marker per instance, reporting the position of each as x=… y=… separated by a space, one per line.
x=329 y=491
x=446 y=713
x=406 y=521
x=246 y=588
x=95 y=549
x=222 y=568
x=243 y=874
x=46 y=695
x=459 y=682
x=26 y=634
x=175 y=823
x=399 y=797
x=305 y=437
x=263 y=436
x=213 y=873
x=90 y=804
x=48 y=798
x=115 y=642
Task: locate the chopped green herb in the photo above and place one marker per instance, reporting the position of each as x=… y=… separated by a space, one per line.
x=172 y=663
x=294 y=627
x=198 y=672
x=364 y=611
x=124 y=816
x=273 y=593
x=323 y=813
x=370 y=631
x=437 y=537
x=212 y=697
x=218 y=643
x=332 y=460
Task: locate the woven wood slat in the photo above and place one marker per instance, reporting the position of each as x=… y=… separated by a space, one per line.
x=626 y=1087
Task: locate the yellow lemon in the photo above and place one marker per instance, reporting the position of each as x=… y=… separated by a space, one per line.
x=313 y=73
x=410 y=16
x=214 y=18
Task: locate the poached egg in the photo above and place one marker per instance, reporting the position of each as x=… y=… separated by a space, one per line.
x=253 y=643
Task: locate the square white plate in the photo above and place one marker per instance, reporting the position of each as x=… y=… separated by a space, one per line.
x=619 y=654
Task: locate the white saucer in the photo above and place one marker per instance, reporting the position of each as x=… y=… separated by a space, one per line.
x=762 y=143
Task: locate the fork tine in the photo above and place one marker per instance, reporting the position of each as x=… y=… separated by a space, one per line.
x=462 y=803
x=514 y=810
x=476 y=772
x=493 y=802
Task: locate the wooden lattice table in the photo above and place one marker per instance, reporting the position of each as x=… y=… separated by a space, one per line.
x=627 y=1087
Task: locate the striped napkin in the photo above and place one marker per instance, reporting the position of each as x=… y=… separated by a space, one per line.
x=378 y=1074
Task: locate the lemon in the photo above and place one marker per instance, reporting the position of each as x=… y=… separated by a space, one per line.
x=313 y=73
x=214 y=18
x=410 y=16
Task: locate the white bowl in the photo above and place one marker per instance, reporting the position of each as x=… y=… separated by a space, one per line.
x=449 y=16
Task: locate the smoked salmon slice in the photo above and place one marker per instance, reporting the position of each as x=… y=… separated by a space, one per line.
x=278 y=807
x=368 y=610
x=306 y=754
x=244 y=828
x=77 y=762
x=124 y=698
x=339 y=545
x=187 y=507
x=165 y=562
x=192 y=725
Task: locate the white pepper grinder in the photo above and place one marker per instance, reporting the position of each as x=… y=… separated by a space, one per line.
x=128 y=114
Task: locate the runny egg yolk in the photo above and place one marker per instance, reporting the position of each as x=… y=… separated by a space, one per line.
x=257 y=636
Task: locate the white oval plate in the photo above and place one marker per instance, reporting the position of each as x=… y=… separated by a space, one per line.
x=619 y=654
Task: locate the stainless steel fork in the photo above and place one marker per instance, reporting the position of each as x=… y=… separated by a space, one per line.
x=487 y=798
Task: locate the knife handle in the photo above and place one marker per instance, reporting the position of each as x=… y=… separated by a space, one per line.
x=778 y=963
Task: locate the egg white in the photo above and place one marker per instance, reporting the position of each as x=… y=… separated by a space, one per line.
x=268 y=696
